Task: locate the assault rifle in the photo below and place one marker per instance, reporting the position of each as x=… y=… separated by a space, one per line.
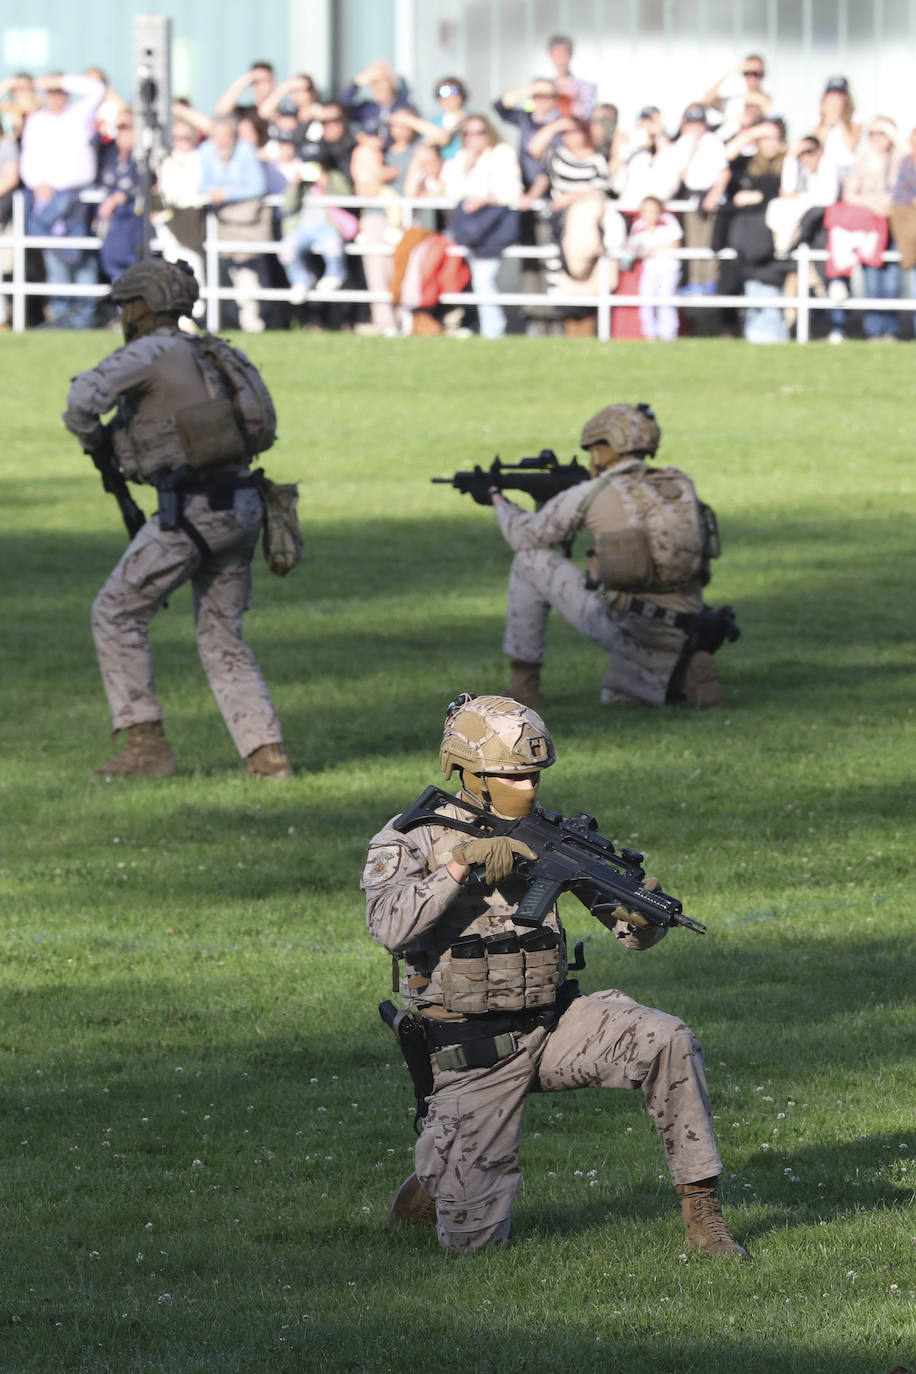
x=570 y=854
x=541 y=477
x=115 y=483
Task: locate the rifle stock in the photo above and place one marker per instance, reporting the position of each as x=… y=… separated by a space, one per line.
x=570 y=854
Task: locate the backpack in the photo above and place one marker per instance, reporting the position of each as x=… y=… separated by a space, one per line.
x=254 y=409
x=658 y=533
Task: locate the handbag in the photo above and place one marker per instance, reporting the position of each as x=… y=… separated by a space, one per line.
x=486 y=231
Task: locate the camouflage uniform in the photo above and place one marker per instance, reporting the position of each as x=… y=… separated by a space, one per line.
x=644 y=652
x=152 y=379
x=467 y=1155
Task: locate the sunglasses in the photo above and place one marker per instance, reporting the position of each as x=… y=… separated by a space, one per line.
x=753 y=72
x=475 y=133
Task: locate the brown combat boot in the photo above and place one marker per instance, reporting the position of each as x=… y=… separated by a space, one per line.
x=707 y=1229
x=412 y=1205
x=269 y=761
x=701 y=681
x=525 y=683
x=147 y=753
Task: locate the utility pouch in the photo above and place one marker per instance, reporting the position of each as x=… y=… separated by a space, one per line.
x=210 y=435
x=541 y=949
x=282 y=539
x=624 y=561
x=505 y=973
x=464 y=977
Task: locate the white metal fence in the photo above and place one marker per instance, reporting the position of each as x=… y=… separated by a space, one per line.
x=605 y=300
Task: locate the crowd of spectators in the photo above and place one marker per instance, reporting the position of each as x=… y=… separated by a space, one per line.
x=544 y=165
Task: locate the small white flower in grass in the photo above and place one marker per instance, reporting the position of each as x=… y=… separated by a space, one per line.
x=313 y=1080
x=765 y=1145
x=197 y=1164
x=592 y=1173
x=93 y=1254
x=683 y=1258
x=291 y=830
x=780 y=1116
x=164 y=1297
x=577 y=1173
x=139 y=1256
x=894 y=1288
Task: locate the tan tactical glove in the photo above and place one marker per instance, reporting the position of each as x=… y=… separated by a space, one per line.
x=632 y=918
x=496 y=851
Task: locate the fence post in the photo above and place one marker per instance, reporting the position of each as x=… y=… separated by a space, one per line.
x=211 y=257
x=803 y=271
x=604 y=298
x=19 y=296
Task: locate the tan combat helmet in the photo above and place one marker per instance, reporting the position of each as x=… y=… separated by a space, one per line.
x=489 y=736
x=629 y=431
x=152 y=293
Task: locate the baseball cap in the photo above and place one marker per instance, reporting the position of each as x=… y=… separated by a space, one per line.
x=837 y=83
x=695 y=114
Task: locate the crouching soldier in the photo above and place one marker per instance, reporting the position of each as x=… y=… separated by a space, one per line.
x=191 y=413
x=498 y=1017
x=641 y=599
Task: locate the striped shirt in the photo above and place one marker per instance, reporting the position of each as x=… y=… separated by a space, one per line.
x=571 y=173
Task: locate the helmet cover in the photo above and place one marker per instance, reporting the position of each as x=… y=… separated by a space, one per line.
x=626 y=429
x=168 y=288
x=489 y=734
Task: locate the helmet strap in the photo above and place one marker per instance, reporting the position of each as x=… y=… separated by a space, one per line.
x=481 y=797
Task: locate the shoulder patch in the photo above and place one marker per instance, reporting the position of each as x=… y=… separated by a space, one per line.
x=382 y=863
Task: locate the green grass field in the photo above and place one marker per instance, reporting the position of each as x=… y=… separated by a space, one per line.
x=204 y=1118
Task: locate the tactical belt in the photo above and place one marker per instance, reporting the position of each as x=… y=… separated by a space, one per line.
x=480 y=1043
x=174 y=484
x=649 y=610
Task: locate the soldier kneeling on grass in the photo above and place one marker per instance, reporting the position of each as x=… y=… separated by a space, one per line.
x=181 y=428
x=428 y=902
x=641 y=597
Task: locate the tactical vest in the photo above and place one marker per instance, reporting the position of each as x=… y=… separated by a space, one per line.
x=146 y=432
x=208 y=408
x=493 y=979
x=651 y=531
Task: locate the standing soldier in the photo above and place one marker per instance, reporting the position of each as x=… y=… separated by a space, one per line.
x=641 y=599
x=184 y=424
x=447 y=905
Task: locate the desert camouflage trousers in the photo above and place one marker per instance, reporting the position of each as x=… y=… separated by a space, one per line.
x=643 y=653
x=154 y=565
x=467 y=1155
